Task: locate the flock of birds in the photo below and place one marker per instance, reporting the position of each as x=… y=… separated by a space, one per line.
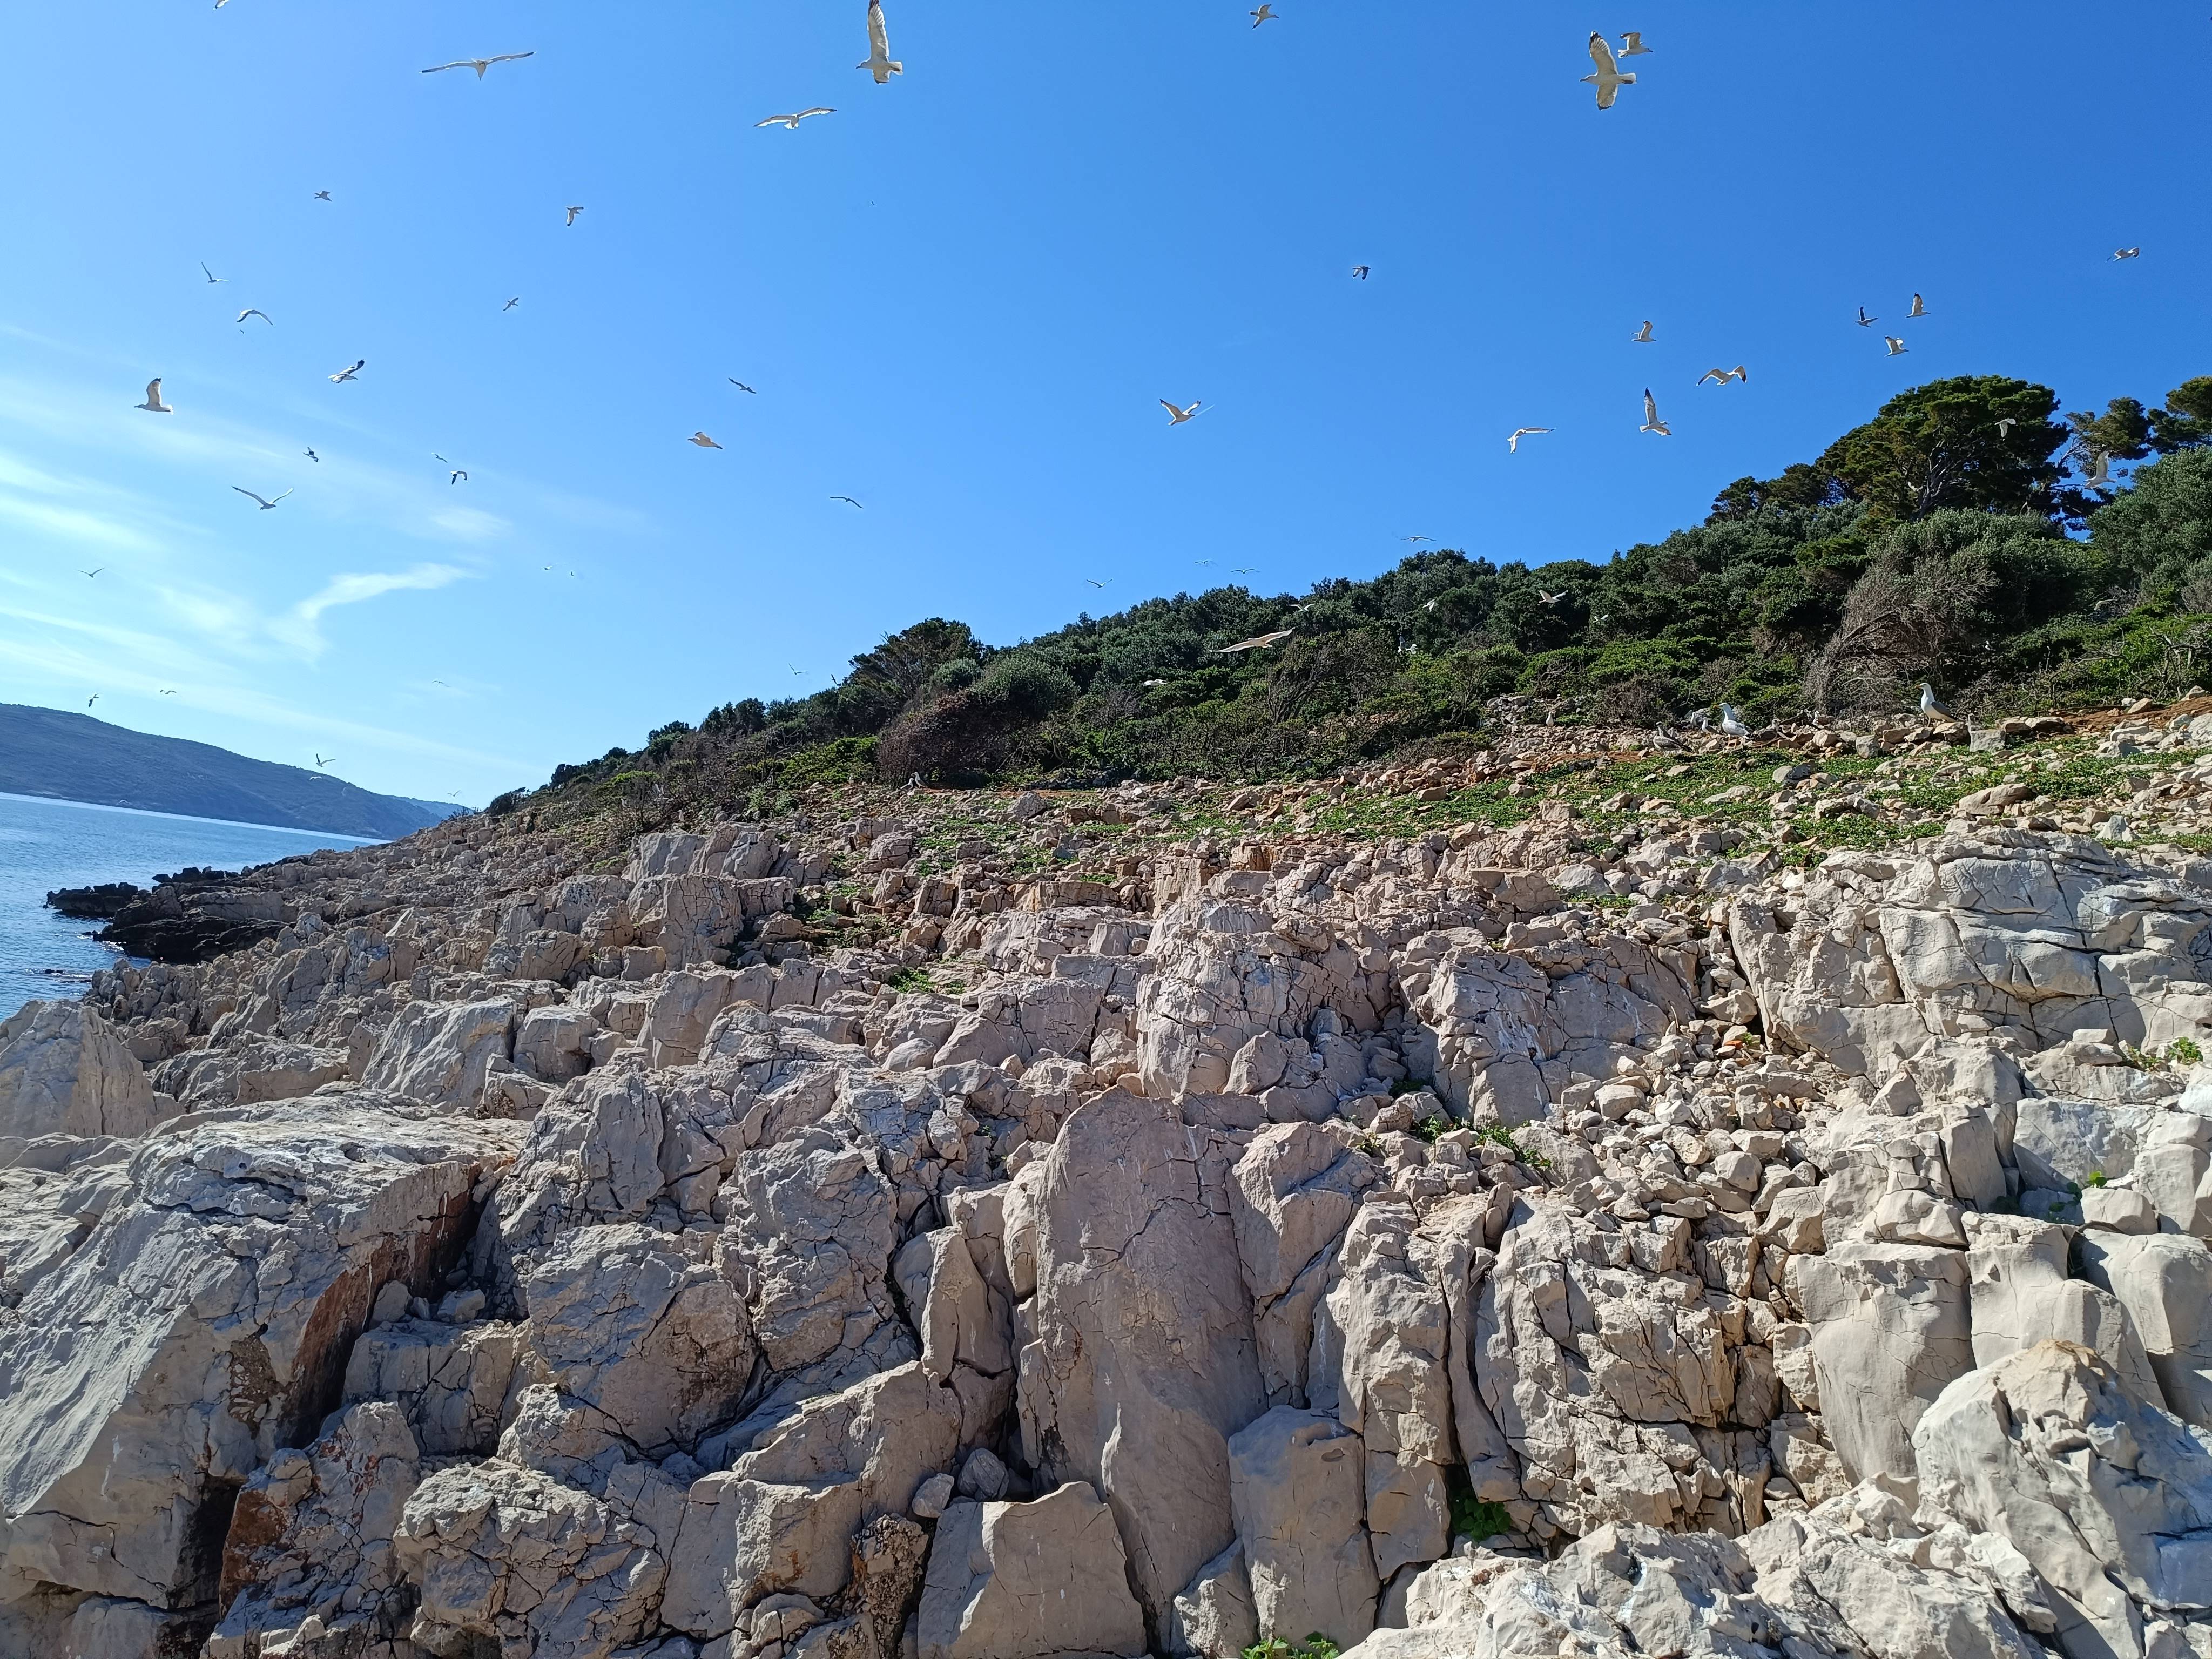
x=1606 y=76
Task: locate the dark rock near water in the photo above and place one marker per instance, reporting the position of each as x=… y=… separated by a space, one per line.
x=194 y=915
x=98 y=903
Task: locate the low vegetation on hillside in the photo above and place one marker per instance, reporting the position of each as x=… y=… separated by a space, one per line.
x=1961 y=537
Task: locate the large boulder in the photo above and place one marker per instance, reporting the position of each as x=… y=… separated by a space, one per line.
x=2165 y=1280
x=449 y=1382
x=2021 y=1296
x=1296 y=1188
x=1040 y=1580
x=441 y=1052
x=1296 y=1487
x=63 y=1071
x=1890 y=1332
x=1144 y=1360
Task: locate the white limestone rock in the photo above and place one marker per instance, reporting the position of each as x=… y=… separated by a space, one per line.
x=1042 y=1580
x=64 y=1071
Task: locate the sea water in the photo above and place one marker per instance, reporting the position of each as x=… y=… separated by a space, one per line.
x=47 y=844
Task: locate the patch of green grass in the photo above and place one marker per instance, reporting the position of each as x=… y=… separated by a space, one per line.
x=1316 y=1646
x=906 y=981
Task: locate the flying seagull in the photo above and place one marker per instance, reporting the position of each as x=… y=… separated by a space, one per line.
x=91 y=700
x=93 y=572
x=880 y=62
x=1632 y=45
x=321 y=762
x=2006 y=425
x=212 y=277
x=847 y=498
x=2127 y=253
x=793 y=119
x=1732 y=723
x=458 y=474
x=312 y=456
x=1610 y=79
x=1918 y=309
x=322 y=195
x=795 y=670
x=154 y=405
x=2100 y=477
x=167 y=691
x=1897 y=346
x=1177 y=416
x=1542 y=598
x=1360 y=272
x=740 y=384
x=1417 y=539
x=1258 y=642
x=1244 y=570
x=1095 y=583
x=511 y=304
x=1267 y=14
x=572 y=212
x=1651 y=420
x=1513 y=442
x=1929 y=705
x=345 y=375
x=1725 y=375
x=255 y=311
x=1866 y=321
x=703 y=440
x=265 y=503
x=480 y=65
x=1642 y=336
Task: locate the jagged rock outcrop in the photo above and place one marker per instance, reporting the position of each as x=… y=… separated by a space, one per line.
x=64 y=1071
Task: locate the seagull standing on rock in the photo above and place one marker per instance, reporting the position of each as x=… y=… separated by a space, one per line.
x=1610 y=77
x=1732 y=723
x=1929 y=707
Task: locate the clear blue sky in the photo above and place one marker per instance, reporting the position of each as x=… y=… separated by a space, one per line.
x=960 y=298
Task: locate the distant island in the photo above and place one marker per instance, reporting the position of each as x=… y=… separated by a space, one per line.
x=68 y=757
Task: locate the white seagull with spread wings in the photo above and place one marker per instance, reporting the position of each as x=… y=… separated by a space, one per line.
x=1513 y=441
x=1610 y=77
x=265 y=503
x=154 y=403
x=1651 y=420
x=795 y=118
x=1177 y=416
x=479 y=64
x=880 y=62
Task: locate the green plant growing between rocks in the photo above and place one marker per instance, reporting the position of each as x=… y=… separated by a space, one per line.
x=1316 y=1646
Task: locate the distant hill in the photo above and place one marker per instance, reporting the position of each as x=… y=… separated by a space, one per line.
x=66 y=757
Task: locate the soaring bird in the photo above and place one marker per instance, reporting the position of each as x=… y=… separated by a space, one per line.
x=1897 y=346
x=480 y=65
x=1177 y=416
x=880 y=62
x=703 y=440
x=266 y=502
x=1929 y=707
x=1651 y=420
x=1513 y=441
x=321 y=762
x=572 y=212
x=1244 y=570
x=255 y=311
x=1725 y=375
x=1732 y=723
x=1632 y=45
x=511 y=304
x=1866 y=321
x=794 y=119
x=740 y=384
x=1417 y=539
x=1257 y=642
x=797 y=672
x=91 y=700
x=2127 y=253
x=1096 y=583
x=2100 y=477
x=1267 y=14
x=457 y=475
x=154 y=405
x=167 y=691
x=1360 y=272
x=345 y=375
x=1642 y=336
x=1542 y=598
x=1918 y=309
x=2006 y=425
x=848 y=499
x=312 y=456
x=210 y=275
x=322 y=195
x=93 y=572
x=1609 y=77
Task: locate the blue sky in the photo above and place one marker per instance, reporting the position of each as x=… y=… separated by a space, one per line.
x=960 y=299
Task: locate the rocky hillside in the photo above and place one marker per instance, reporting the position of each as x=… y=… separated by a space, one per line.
x=68 y=757
x=1591 y=1197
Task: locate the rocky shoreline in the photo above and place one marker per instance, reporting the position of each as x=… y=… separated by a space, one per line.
x=984 y=1225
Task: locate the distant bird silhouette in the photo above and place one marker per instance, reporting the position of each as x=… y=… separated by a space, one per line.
x=795 y=118
x=321 y=762
x=322 y=195
x=458 y=474
x=740 y=385
x=154 y=403
x=1267 y=14
x=847 y=498
x=1918 y=309
x=1360 y=272
x=1096 y=583
x=345 y=375
x=254 y=311
x=1897 y=346
x=167 y=691
x=312 y=456
x=703 y=440
x=210 y=275
x=1929 y=705
x=800 y=672
x=2006 y=425
x=511 y=304
x=1632 y=45
x=1725 y=375
x=1866 y=321
x=1542 y=598
x=2100 y=477
x=1417 y=539
x=1610 y=78
x=480 y=65
x=1177 y=416
x=2128 y=253
x=1642 y=336
x=572 y=212
x=879 y=62
x=1513 y=439
x=1651 y=420
x=1732 y=723
x=266 y=504
x=91 y=700
x=1257 y=642
x=95 y=572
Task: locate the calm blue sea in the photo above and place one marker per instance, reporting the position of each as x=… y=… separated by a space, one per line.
x=46 y=844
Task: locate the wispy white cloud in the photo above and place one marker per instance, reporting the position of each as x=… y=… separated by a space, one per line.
x=301 y=626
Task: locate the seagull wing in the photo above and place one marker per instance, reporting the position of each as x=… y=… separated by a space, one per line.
x=249 y=494
x=439 y=69
x=152 y=395
x=879 y=41
x=1601 y=55
x=512 y=57
x=280 y=498
x=1650 y=406
x=819 y=109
